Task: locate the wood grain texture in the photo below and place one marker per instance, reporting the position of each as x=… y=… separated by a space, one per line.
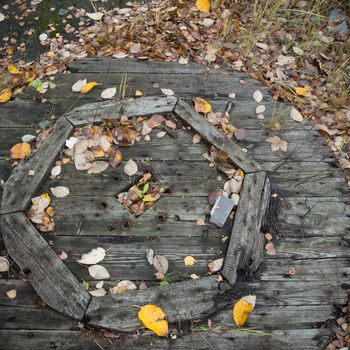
x=51 y=279
x=194 y=299
x=215 y=137
x=95 y=112
x=20 y=188
x=245 y=248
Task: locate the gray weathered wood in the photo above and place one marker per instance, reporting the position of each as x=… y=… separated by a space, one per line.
x=215 y=137
x=51 y=279
x=95 y=112
x=20 y=187
x=246 y=242
x=194 y=299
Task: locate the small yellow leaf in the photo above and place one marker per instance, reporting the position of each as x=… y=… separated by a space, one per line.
x=148 y=198
x=201 y=105
x=12 y=69
x=189 y=260
x=153 y=318
x=5 y=95
x=241 y=311
x=303 y=91
x=87 y=87
x=203 y=5
x=20 y=150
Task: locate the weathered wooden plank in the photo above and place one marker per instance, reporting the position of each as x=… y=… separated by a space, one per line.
x=126 y=257
x=246 y=242
x=20 y=187
x=306 y=339
x=48 y=275
x=183 y=301
x=94 y=112
x=215 y=137
x=335 y=271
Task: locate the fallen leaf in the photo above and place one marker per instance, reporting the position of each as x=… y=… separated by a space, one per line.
x=135 y=48
x=161 y=134
x=268 y=236
x=277 y=143
x=63 y=255
x=183 y=60
x=5 y=95
x=203 y=5
x=251 y=299
x=28 y=138
x=189 y=260
x=200 y=222
x=153 y=318
x=194 y=276
x=257 y=96
x=77 y=86
x=55 y=171
x=12 y=69
x=20 y=150
x=150 y=256
x=161 y=264
x=96 y=16
x=296 y=115
x=123 y=286
x=260 y=109
x=11 y=293
x=87 y=87
x=270 y=249
x=167 y=92
x=97 y=167
x=284 y=60
x=216 y=265
x=109 y=93
x=104 y=143
x=290 y=272
x=93 y=257
x=115 y=158
x=4 y=264
x=130 y=168
x=43 y=36
x=98 y=272
x=241 y=311
x=2 y=17
x=196 y=138
x=99 y=285
x=60 y=191
x=201 y=105
x=232 y=95
x=303 y=91
x=98 y=292
x=81 y=162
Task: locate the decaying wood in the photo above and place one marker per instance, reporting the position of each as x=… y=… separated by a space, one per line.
x=246 y=242
x=181 y=301
x=95 y=112
x=20 y=187
x=215 y=137
x=51 y=279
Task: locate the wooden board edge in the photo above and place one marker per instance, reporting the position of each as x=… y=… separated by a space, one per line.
x=5 y=207
x=212 y=135
x=262 y=201
x=7 y=229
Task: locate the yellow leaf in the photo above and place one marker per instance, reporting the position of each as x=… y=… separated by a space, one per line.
x=46 y=196
x=302 y=91
x=148 y=198
x=5 y=95
x=241 y=311
x=20 y=150
x=153 y=318
x=203 y=5
x=12 y=69
x=87 y=87
x=189 y=260
x=201 y=105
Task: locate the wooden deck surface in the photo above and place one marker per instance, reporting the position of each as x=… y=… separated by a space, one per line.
x=313 y=222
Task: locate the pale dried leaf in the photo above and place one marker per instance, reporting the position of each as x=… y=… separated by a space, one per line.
x=60 y=191
x=55 y=171
x=109 y=93
x=93 y=257
x=167 y=92
x=97 y=167
x=98 y=272
x=4 y=264
x=98 y=292
x=257 y=96
x=216 y=265
x=96 y=16
x=76 y=87
x=277 y=144
x=130 y=168
x=161 y=264
x=296 y=115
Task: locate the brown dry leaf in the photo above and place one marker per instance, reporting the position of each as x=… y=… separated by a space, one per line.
x=87 y=87
x=270 y=249
x=20 y=150
x=200 y=222
x=203 y=5
x=277 y=144
x=160 y=262
x=11 y=293
x=216 y=265
x=155 y=120
x=138 y=93
x=153 y=318
x=290 y=272
x=115 y=158
x=241 y=310
x=196 y=138
x=5 y=95
x=63 y=255
x=123 y=286
x=201 y=105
